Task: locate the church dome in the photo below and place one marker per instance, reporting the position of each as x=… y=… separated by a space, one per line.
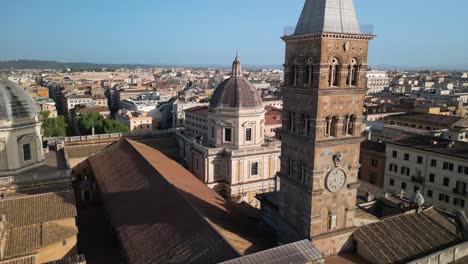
x=15 y=103
x=236 y=92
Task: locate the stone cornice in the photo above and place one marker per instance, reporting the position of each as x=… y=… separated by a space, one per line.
x=329 y=35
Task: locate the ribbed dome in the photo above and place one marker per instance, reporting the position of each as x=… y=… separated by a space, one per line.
x=15 y=103
x=236 y=92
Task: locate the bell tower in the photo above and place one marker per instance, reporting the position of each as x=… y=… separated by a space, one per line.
x=323 y=93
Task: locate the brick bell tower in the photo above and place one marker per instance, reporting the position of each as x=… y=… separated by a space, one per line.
x=324 y=89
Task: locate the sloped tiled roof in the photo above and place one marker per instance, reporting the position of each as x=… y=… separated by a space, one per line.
x=273 y=116
x=28 y=238
x=300 y=252
x=34 y=209
x=78 y=259
x=164 y=214
x=23 y=259
x=407 y=237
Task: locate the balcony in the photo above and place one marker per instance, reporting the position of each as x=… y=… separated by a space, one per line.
x=460 y=192
x=418 y=179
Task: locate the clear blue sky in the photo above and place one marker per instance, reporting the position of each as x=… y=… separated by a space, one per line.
x=410 y=32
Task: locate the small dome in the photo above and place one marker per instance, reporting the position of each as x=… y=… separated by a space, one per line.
x=15 y=103
x=236 y=92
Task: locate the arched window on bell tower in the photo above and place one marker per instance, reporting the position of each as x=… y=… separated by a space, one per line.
x=327 y=126
x=346 y=125
x=352 y=72
x=296 y=75
x=292 y=122
x=306 y=127
x=334 y=127
x=309 y=76
x=334 y=73
x=351 y=124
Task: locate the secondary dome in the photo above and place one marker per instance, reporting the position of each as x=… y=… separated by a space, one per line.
x=236 y=92
x=15 y=103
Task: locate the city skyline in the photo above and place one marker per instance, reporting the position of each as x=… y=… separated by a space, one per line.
x=139 y=33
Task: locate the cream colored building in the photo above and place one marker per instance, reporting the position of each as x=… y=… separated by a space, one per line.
x=437 y=167
x=136 y=121
x=231 y=155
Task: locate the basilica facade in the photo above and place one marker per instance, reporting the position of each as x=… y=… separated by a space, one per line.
x=224 y=144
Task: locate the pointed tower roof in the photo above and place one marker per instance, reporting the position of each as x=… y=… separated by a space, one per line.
x=336 y=16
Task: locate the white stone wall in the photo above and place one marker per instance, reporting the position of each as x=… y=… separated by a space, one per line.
x=437 y=187
x=11 y=147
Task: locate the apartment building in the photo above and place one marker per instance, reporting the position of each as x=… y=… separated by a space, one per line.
x=377 y=81
x=436 y=167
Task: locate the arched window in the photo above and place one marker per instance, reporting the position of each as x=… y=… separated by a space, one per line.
x=327 y=126
x=334 y=72
x=352 y=72
x=292 y=121
x=296 y=75
x=351 y=124
x=345 y=125
x=306 y=128
x=332 y=221
x=309 y=73
x=334 y=127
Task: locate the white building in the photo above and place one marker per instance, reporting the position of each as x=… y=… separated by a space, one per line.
x=376 y=81
x=436 y=167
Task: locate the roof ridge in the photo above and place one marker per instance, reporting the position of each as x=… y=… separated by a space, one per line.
x=32 y=195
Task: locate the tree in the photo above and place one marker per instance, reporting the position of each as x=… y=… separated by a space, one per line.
x=101 y=125
x=53 y=127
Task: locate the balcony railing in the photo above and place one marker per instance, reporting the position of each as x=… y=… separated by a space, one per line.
x=418 y=179
x=460 y=192
x=366 y=29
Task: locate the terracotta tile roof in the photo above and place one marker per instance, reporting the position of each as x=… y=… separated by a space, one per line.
x=34 y=209
x=24 y=239
x=273 y=116
x=300 y=252
x=78 y=259
x=198 y=111
x=83 y=151
x=406 y=237
x=23 y=259
x=162 y=213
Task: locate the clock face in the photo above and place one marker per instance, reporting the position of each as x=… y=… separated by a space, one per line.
x=336 y=179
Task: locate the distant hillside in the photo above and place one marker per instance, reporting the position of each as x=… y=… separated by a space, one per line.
x=80 y=66
x=45 y=65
